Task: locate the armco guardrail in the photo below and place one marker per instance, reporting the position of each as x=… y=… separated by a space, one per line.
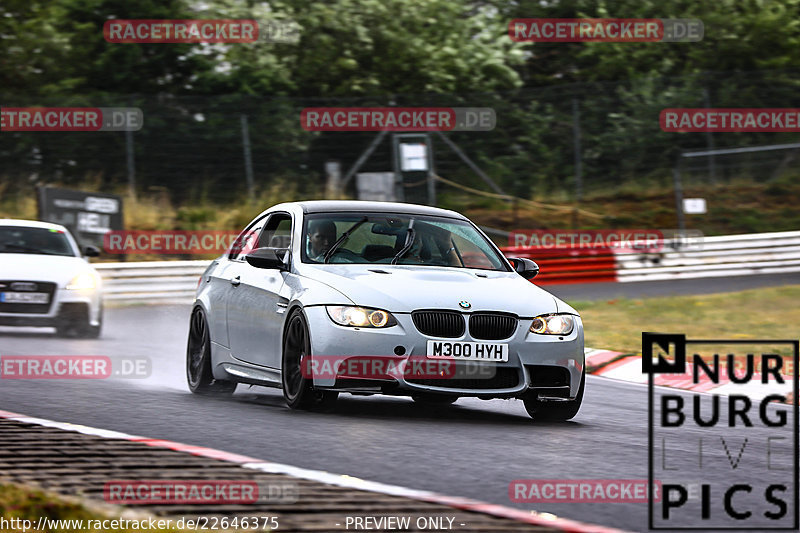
x=722 y=256
x=728 y=255
x=151 y=280
x=569 y=265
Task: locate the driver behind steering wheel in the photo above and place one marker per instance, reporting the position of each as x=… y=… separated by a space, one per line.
x=321 y=236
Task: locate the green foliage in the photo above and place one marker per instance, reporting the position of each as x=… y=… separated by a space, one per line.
x=386 y=52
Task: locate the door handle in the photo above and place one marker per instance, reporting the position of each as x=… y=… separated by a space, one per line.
x=236 y=281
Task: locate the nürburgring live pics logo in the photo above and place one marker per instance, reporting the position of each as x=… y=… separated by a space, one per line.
x=726 y=459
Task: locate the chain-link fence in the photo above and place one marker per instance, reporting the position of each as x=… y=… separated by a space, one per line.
x=556 y=143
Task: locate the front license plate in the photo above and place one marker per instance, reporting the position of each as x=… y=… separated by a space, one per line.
x=24 y=297
x=468 y=351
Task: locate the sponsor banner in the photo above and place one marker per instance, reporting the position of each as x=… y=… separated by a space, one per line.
x=197 y=492
x=398 y=119
x=71 y=119
x=73 y=367
x=695 y=120
x=391 y=367
x=178 y=242
x=609 y=30
x=181 y=31
x=580 y=491
x=620 y=240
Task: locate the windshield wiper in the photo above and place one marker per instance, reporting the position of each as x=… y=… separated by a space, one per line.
x=410 y=235
x=343 y=238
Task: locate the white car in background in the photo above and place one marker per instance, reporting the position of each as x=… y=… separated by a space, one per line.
x=46 y=281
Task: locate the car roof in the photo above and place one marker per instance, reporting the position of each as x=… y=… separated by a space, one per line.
x=327 y=206
x=30 y=224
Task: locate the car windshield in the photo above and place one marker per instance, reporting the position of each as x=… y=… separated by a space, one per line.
x=25 y=240
x=401 y=239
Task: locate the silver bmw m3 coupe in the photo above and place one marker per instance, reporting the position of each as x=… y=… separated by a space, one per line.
x=324 y=297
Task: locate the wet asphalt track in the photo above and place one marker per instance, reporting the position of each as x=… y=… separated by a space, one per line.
x=474 y=448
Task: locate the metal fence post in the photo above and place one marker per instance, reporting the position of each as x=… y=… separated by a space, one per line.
x=576 y=135
x=248 y=157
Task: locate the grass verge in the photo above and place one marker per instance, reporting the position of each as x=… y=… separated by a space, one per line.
x=19 y=504
x=771 y=313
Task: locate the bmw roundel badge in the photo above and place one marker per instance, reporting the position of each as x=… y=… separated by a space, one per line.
x=464 y=304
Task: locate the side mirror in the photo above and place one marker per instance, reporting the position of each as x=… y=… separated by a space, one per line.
x=268 y=258
x=524 y=267
x=91 y=251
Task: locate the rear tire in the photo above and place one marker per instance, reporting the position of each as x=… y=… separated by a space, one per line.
x=198 y=360
x=554 y=411
x=297 y=389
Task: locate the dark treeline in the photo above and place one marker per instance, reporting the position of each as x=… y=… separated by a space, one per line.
x=390 y=52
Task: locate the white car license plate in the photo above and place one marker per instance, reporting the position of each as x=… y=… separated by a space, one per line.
x=24 y=297
x=468 y=351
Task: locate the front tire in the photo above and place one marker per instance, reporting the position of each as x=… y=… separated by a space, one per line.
x=297 y=389
x=80 y=328
x=198 y=360
x=554 y=411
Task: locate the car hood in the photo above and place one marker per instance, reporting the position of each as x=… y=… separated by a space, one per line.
x=59 y=269
x=402 y=289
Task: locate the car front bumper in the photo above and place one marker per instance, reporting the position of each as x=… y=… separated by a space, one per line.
x=551 y=364
x=67 y=307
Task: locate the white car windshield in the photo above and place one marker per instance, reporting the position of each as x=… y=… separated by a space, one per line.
x=27 y=240
x=396 y=239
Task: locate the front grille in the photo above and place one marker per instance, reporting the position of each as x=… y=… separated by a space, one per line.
x=447 y=324
x=504 y=378
x=38 y=286
x=492 y=326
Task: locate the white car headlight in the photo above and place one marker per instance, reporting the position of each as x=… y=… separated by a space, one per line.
x=82 y=282
x=360 y=317
x=553 y=324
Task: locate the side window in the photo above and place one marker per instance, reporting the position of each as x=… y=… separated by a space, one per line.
x=244 y=242
x=278 y=232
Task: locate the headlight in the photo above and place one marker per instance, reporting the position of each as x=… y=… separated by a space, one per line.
x=553 y=324
x=360 y=317
x=82 y=282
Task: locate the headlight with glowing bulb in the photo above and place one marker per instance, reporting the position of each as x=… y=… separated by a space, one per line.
x=82 y=282
x=553 y=324
x=360 y=317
